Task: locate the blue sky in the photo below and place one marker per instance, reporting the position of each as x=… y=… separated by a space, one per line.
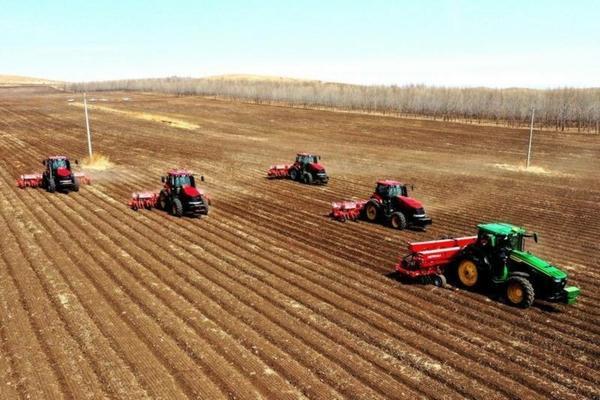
x=446 y=42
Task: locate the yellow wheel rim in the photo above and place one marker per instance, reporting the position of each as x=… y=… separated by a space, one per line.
x=467 y=273
x=371 y=212
x=515 y=293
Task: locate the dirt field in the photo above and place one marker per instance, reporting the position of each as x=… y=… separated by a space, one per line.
x=266 y=297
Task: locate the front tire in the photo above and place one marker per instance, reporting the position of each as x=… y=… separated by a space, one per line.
x=371 y=211
x=519 y=292
x=468 y=273
x=206 y=205
x=398 y=221
x=177 y=208
x=307 y=178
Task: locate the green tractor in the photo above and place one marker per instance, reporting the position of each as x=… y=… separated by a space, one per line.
x=497 y=259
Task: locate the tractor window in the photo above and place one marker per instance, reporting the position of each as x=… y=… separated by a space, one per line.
x=181 y=180
x=516 y=242
x=382 y=190
x=485 y=240
x=58 y=164
x=391 y=191
x=304 y=159
x=315 y=159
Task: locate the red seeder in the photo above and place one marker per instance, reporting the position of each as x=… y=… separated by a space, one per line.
x=429 y=259
x=347 y=210
x=278 y=171
x=143 y=200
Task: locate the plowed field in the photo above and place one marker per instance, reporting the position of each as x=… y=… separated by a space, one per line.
x=266 y=297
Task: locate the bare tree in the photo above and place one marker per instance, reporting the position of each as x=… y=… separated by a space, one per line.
x=560 y=109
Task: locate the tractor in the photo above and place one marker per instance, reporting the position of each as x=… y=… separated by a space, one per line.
x=388 y=204
x=495 y=259
x=57 y=176
x=305 y=169
x=179 y=196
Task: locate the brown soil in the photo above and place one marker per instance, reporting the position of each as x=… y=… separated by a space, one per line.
x=266 y=297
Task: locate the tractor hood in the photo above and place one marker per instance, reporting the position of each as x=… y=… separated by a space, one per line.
x=537 y=263
x=410 y=202
x=316 y=167
x=191 y=191
x=63 y=172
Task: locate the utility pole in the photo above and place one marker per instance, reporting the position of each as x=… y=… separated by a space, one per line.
x=87 y=126
x=530 y=138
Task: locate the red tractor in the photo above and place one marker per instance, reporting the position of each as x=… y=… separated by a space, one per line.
x=305 y=169
x=389 y=204
x=57 y=176
x=179 y=196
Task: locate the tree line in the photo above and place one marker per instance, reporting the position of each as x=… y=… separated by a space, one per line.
x=558 y=109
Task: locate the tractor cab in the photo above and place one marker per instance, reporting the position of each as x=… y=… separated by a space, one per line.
x=55 y=164
x=180 y=178
x=502 y=235
x=305 y=158
x=387 y=189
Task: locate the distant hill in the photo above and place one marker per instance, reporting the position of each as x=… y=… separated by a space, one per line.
x=14 y=80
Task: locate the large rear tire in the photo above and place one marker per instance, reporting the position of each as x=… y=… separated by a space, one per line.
x=75 y=184
x=177 y=208
x=51 y=186
x=161 y=204
x=294 y=174
x=371 y=211
x=468 y=273
x=520 y=292
x=398 y=221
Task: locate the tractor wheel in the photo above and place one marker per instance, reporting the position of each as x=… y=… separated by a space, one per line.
x=468 y=273
x=206 y=204
x=398 y=221
x=75 y=184
x=294 y=174
x=371 y=211
x=307 y=178
x=519 y=292
x=177 y=208
x=439 y=280
x=51 y=185
x=161 y=204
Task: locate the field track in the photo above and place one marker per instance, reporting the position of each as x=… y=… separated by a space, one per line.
x=266 y=297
